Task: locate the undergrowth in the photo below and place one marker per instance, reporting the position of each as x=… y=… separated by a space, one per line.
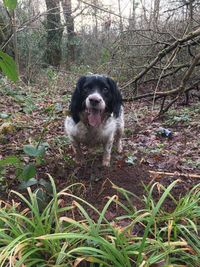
x=66 y=234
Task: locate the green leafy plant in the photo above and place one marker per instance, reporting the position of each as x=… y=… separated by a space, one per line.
x=10 y=4
x=131 y=160
x=4 y=115
x=55 y=236
x=51 y=75
x=8 y=66
x=37 y=152
x=20 y=229
x=21 y=172
x=164 y=239
x=25 y=173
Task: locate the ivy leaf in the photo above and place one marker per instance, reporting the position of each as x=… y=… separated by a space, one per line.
x=26 y=184
x=10 y=4
x=46 y=185
x=131 y=160
x=28 y=172
x=35 y=151
x=8 y=66
x=12 y=160
x=4 y=115
x=32 y=150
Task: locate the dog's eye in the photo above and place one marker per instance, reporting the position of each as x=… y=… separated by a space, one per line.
x=105 y=90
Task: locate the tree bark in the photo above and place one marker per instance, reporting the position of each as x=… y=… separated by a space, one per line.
x=69 y=20
x=54 y=33
x=120 y=17
x=6 y=32
x=14 y=30
x=132 y=21
x=156 y=12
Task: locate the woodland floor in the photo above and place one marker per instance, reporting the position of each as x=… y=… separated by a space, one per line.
x=30 y=111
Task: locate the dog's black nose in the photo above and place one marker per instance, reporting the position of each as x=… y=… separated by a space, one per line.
x=94 y=101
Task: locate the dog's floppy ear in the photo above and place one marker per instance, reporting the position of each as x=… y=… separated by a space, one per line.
x=116 y=98
x=76 y=101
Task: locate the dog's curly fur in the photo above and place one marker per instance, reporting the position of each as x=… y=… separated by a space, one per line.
x=96 y=115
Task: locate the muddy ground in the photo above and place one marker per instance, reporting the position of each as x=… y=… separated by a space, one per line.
x=145 y=148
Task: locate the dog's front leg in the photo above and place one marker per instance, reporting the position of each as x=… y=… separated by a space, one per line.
x=119 y=140
x=107 y=152
x=77 y=151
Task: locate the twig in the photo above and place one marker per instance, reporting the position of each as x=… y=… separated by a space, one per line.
x=193 y=176
x=160 y=94
x=162 y=54
x=181 y=88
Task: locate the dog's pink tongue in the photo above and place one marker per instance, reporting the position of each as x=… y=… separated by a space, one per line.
x=94 y=118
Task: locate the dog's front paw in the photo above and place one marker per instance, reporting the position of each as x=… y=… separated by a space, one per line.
x=106 y=161
x=119 y=147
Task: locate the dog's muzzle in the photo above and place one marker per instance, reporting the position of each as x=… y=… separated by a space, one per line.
x=95 y=106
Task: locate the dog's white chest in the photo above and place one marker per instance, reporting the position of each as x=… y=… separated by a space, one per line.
x=90 y=135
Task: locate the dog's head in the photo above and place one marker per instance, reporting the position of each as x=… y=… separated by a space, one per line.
x=96 y=95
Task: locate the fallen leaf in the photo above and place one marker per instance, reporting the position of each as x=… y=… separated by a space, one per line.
x=6 y=127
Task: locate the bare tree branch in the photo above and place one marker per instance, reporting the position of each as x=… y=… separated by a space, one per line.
x=162 y=54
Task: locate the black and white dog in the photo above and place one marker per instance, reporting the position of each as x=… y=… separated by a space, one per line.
x=97 y=116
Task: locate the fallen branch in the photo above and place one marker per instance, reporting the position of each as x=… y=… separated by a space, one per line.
x=158 y=95
x=159 y=173
x=162 y=54
x=166 y=75
x=181 y=88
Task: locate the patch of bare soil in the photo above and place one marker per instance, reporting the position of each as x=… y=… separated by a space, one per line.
x=99 y=184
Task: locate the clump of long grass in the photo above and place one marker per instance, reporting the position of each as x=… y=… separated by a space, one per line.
x=29 y=237
x=169 y=237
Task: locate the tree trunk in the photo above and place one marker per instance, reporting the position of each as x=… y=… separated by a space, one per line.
x=54 y=33
x=95 y=18
x=120 y=18
x=14 y=30
x=6 y=31
x=69 y=20
x=156 y=12
x=132 y=22
x=191 y=14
